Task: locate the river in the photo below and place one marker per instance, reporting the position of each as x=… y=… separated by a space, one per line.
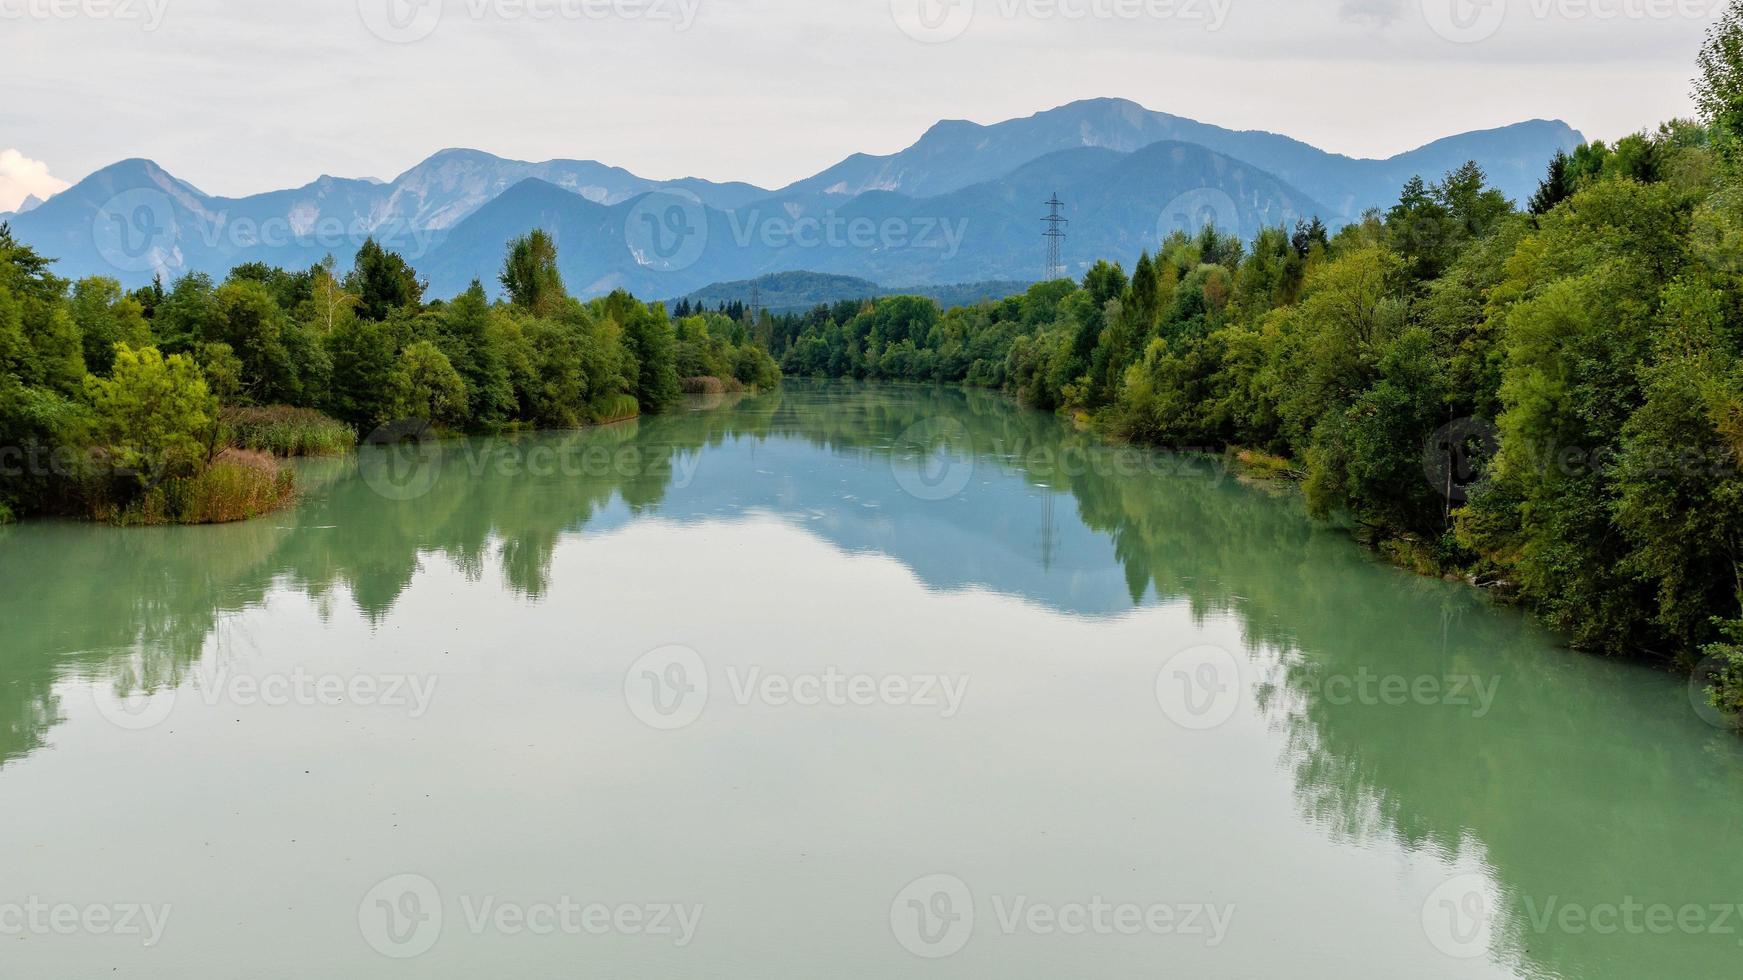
x=839 y=681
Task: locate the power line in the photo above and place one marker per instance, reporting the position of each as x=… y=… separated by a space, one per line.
x=1055 y=235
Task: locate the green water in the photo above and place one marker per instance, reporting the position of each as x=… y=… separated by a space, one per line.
x=838 y=682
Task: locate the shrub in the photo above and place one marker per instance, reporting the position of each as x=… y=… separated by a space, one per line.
x=237 y=486
x=285 y=431
x=426 y=386
x=151 y=414
x=1724 y=670
x=613 y=408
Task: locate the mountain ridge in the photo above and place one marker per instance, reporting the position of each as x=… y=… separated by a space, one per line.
x=133 y=218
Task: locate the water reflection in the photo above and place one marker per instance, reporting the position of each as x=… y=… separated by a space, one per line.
x=1570 y=781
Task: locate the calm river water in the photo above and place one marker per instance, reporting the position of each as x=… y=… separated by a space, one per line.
x=842 y=681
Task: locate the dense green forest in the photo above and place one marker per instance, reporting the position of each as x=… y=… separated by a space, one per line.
x=145 y=406
x=1548 y=400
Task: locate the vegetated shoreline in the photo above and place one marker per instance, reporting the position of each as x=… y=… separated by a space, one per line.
x=1268 y=472
x=266 y=438
x=121 y=405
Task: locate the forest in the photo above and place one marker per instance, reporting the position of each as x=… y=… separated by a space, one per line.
x=1546 y=400
x=168 y=404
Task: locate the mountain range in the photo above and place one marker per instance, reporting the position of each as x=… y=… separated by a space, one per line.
x=962 y=204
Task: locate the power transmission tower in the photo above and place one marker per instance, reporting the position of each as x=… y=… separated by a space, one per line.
x=1055 y=235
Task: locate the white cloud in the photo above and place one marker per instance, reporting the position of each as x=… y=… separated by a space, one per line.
x=20 y=176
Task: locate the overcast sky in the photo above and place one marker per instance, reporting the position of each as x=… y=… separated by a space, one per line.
x=240 y=96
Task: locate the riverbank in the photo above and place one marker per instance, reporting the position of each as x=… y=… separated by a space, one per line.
x=1720 y=663
x=242 y=478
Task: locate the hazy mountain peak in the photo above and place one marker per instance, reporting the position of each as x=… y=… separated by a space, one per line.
x=971 y=191
x=954 y=154
x=135 y=172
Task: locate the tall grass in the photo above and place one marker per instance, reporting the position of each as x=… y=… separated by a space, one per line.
x=616 y=408
x=238 y=485
x=285 y=431
x=708 y=384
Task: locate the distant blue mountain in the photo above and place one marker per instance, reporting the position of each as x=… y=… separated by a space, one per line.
x=960 y=205
x=1120 y=204
x=955 y=154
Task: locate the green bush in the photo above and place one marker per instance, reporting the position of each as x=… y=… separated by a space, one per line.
x=151 y=413
x=613 y=408
x=1724 y=668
